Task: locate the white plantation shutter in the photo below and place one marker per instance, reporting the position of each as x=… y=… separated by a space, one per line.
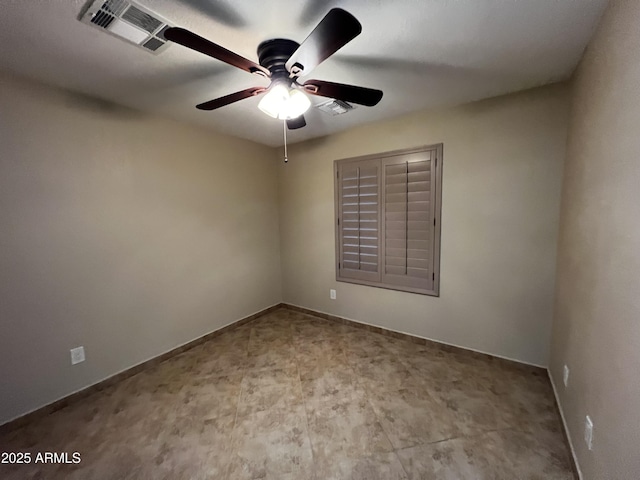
x=388 y=220
x=409 y=213
x=359 y=220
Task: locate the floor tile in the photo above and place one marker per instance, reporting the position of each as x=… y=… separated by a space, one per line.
x=290 y=396
x=349 y=428
x=328 y=382
x=500 y=455
x=411 y=417
x=268 y=389
x=272 y=444
x=380 y=466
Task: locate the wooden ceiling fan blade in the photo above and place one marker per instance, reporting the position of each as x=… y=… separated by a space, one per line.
x=231 y=98
x=195 y=42
x=295 y=123
x=347 y=93
x=334 y=31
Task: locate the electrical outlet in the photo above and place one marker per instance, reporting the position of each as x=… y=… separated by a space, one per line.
x=332 y=294
x=77 y=355
x=565 y=376
x=588 y=432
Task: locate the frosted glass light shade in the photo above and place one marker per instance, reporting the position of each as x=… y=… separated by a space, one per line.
x=281 y=103
x=298 y=104
x=274 y=100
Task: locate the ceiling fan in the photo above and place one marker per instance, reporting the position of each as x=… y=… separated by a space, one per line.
x=284 y=62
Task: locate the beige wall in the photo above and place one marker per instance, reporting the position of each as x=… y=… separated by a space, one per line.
x=126 y=234
x=597 y=316
x=501 y=193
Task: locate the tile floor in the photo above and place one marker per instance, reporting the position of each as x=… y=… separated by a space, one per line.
x=290 y=396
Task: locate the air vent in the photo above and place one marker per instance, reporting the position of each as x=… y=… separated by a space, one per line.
x=335 y=107
x=129 y=21
x=153 y=44
x=140 y=19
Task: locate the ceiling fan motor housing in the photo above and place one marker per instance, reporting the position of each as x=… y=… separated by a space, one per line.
x=273 y=54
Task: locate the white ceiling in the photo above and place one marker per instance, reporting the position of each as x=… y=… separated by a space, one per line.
x=421 y=53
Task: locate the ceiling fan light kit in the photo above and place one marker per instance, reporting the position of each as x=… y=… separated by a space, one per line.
x=284 y=62
x=284 y=103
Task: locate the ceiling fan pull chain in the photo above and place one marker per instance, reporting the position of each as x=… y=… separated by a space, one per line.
x=286 y=158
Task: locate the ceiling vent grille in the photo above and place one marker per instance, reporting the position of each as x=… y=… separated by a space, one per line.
x=335 y=107
x=140 y=19
x=130 y=22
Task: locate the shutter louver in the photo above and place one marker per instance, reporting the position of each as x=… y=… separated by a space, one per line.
x=359 y=220
x=408 y=221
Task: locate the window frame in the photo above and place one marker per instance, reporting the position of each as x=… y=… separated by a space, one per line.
x=436 y=186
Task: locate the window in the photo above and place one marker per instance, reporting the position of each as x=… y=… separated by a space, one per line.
x=388 y=220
